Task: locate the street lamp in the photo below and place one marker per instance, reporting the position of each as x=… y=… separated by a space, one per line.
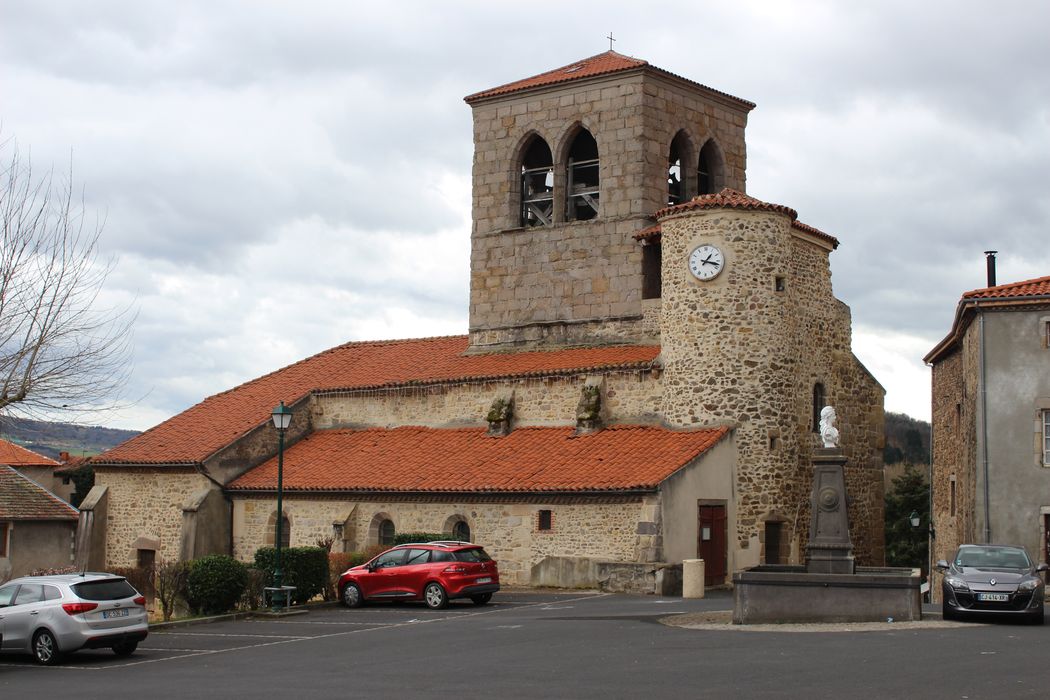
x=914 y=518
x=282 y=418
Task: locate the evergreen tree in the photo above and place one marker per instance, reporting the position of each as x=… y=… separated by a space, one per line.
x=907 y=545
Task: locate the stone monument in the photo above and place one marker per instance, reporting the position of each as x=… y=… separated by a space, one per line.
x=830 y=587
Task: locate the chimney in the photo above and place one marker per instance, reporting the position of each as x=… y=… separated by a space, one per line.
x=990 y=258
x=63 y=457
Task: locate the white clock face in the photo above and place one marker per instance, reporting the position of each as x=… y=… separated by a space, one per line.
x=706 y=261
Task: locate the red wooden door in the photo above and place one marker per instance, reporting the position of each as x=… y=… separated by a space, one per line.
x=711 y=543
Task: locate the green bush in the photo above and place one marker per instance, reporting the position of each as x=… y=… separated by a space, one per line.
x=215 y=584
x=306 y=568
x=407 y=537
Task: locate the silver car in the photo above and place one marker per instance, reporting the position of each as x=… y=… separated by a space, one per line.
x=992 y=579
x=48 y=616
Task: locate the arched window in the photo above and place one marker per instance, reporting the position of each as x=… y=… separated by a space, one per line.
x=537 y=184
x=581 y=201
x=386 y=533
x=461 y=531
x=818 y=405
x=676 y=186
x=286 y=530
x=711 y=169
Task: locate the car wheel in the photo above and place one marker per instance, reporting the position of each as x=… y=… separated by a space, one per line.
x=351 y=596
x=435 y=596
x=125 y=648
x=946 y=611
x=45 y=648
x=481 y=599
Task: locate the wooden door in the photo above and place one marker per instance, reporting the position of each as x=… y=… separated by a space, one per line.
x=711 y=543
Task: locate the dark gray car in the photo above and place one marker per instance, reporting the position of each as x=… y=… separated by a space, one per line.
x=991 y=579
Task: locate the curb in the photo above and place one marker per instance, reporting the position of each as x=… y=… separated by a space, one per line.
x=293 y=611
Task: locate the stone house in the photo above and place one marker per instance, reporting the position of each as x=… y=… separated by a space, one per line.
x=647 y=352
x=991 y=421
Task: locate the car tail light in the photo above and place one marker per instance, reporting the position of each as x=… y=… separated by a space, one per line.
x=455 y=569
x=141 y=600
x=77 y=608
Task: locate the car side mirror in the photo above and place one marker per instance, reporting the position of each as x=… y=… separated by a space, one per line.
x=941 y=564
x=1043 y=567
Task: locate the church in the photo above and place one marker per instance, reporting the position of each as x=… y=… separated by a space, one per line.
x=648 y=351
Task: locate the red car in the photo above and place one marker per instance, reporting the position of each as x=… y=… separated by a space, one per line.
x=434 y=572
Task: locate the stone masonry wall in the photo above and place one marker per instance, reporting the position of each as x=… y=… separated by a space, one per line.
x=629 y=397
x=737 y=351
x=146 y=503
x=954 y=421
x=523 y=279
x=508 y=531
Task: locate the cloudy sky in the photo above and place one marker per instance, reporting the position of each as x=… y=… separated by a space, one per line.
x=244 y=156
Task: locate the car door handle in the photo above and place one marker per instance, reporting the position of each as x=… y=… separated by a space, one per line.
x=35 y=612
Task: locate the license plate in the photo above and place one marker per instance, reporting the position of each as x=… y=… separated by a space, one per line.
x=120 y=612
x=486 y=579
x=993 y=597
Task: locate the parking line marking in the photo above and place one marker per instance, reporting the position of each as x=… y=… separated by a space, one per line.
x=224 y=634
x=287 y=639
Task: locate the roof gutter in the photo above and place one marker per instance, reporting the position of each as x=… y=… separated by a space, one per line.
x=972 y=303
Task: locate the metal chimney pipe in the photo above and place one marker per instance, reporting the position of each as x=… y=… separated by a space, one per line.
x=990 y=259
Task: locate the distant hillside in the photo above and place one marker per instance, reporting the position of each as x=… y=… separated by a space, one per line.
x=907 y=440
x=49 y=439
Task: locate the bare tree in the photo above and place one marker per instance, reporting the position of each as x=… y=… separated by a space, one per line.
x=60 y=349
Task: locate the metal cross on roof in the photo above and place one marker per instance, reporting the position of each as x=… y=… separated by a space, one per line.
x=611 y=40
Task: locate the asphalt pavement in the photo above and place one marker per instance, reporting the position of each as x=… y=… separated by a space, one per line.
x=545 y=645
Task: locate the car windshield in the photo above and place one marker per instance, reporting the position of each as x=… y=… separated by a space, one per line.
x=993 y=558
x=475 y=555
x=109 y=589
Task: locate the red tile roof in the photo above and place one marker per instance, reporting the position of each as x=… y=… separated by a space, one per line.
x=18 y=456
x=414 y=459
x=198 y=432
x=653 y=233
x=728 y=198
x=603 y=64
x=23 y=499
x=1038 y=286
x=1015 y=294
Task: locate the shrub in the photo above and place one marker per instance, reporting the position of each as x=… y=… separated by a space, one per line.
x=140 y=578
x=407 y=537
x=171 y=585
x=215 y=584
x=254 y=594
x=306 y=568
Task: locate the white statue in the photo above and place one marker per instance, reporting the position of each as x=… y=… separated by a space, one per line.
x=828 y=432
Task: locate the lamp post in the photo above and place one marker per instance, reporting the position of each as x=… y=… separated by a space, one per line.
x=282 y=418
x=914 y=518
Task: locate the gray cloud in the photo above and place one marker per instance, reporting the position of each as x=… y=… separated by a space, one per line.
x=277 y=179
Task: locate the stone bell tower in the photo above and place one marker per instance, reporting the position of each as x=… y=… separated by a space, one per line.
x=568 y=166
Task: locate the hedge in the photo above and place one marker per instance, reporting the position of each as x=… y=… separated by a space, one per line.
x=306 y=568
x=215 y=584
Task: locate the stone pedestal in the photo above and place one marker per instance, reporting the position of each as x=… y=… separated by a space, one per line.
x=830 y=550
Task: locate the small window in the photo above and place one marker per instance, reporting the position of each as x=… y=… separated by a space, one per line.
x=7 y=593
x=582 y=178
x=440 y=555
x=779 y=284
x=4 y=528
x=951 y=506
x=473 y=555
x=461 y=531
x=52 y=593
x=1046 y=438
x=386 y=532
x=544 y=521
x=774 y=443
x=818 y=405
x=651 y=272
